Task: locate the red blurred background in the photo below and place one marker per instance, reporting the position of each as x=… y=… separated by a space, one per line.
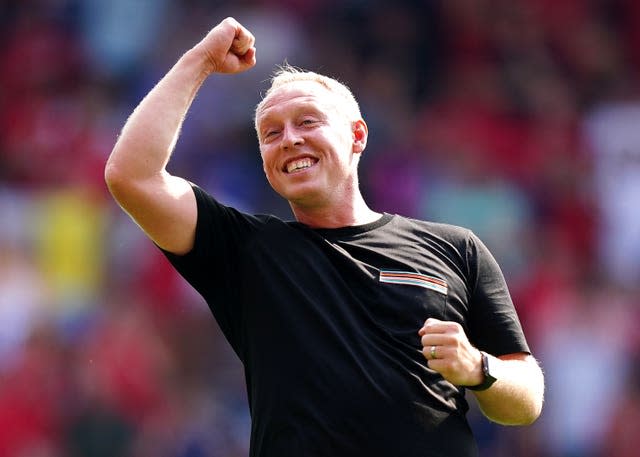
x=519 y=119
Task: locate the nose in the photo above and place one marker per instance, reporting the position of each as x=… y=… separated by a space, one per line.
x=290 y=138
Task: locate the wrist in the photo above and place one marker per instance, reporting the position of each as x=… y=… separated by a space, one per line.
x=477 y=374
x=487 y=374
x=200 y=59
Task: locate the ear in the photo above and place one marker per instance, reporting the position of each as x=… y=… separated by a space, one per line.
x=360 y=134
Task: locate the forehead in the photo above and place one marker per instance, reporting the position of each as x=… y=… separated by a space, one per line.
x=295 y=95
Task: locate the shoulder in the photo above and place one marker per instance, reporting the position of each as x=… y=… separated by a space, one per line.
x=446 y=232
x=458 y=243
x=209 y=207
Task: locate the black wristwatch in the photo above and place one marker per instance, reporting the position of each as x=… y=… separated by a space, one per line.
x=489 y=379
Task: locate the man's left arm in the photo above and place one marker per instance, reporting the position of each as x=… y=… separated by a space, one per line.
x=516 y=396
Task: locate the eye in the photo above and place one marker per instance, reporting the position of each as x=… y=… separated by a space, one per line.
x=270 y=133
x=308 y=122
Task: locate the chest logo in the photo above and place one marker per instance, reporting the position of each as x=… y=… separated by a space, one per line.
x=414 y=279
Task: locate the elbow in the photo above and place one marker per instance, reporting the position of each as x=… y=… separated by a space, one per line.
x=530 y=414
x=113 y=178
x=121 y=183
x=129 y=188
x=120 y=169
x=523 y=416
x=522 y=410
x=536 y=399
x=531 y=408
x=111 y=169
x=121 y=175
x=110 y=174
x=536 y=408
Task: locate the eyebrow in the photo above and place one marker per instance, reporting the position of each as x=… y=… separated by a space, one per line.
x=302 y=109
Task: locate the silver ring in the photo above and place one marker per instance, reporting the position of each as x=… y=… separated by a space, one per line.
x=432 y=352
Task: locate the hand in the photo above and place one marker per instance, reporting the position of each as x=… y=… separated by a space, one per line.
x=455 y=358
x=228 y=48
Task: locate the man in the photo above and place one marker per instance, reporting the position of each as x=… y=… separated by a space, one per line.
x=358 y=331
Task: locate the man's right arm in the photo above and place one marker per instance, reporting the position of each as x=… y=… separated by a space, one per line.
x=161 y=204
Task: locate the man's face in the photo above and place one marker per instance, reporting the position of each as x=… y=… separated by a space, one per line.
x=309 y=147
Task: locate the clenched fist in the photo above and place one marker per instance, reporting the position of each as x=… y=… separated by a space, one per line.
x=228 y=48
x=449 y=352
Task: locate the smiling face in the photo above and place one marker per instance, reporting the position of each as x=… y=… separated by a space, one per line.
x=310 y=145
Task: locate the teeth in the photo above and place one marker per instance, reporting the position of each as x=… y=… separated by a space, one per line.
x=299 y=165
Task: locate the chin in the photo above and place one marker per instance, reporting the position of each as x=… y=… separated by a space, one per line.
x=298 y=192
x=303 y=199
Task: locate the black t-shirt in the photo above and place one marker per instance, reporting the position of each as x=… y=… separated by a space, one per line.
x=326 y=324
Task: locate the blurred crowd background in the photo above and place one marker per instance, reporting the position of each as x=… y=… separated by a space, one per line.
x=519 y=119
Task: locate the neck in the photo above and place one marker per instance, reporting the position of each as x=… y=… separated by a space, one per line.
x=345 y=214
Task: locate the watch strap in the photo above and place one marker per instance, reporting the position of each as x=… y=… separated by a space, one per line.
x=489 y=379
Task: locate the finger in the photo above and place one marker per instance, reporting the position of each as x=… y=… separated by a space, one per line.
x=441 y=351
x=434 y=339
x=243 y=41
x=437 y=326
x=250 y=57
x=439 y=365
x=442 y=358
x=429 y=352
x=433 y=325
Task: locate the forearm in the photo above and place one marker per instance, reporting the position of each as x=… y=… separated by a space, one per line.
x=149 y=136
x=516 y=397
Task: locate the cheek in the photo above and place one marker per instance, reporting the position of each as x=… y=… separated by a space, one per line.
x=266 y=157
x=267 y=165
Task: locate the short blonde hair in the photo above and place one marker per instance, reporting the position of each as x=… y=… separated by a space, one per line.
x=286 y=74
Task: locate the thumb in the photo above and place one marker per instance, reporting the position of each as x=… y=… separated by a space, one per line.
x=430 y=322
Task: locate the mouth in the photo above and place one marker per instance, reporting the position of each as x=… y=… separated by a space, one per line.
x=298 y=165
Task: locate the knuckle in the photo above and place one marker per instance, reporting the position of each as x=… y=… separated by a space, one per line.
x=456 y=327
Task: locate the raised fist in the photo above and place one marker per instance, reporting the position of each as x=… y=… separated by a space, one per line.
x=228 y=48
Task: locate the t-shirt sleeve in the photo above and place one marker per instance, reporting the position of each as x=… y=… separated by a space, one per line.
x=494 y=324
x=211 y=266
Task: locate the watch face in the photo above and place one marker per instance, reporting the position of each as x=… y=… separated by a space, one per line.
x=486 y=367
x=489 y=379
